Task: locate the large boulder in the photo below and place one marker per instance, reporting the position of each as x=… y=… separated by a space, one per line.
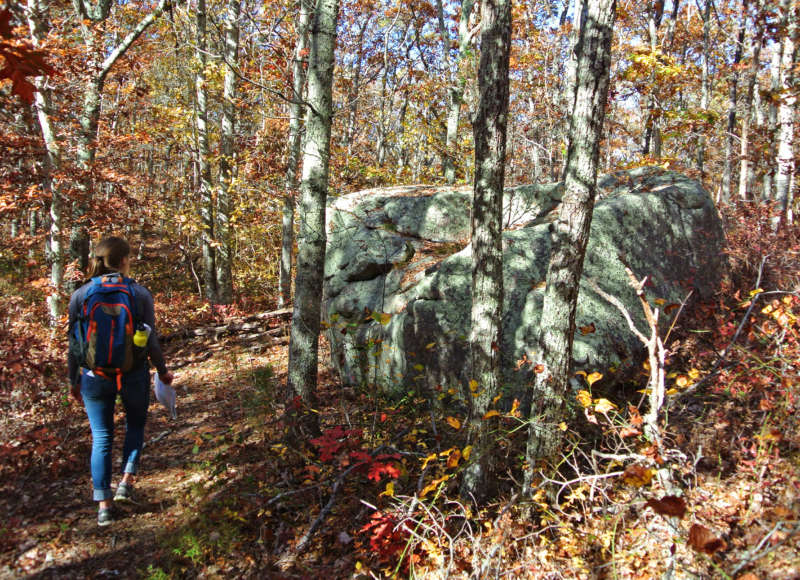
x=397 y=276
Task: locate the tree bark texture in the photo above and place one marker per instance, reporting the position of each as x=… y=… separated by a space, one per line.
x=227 y=160
x=296 y=112
x=44 y=108
x=203 y=163
x=705 y=79
x=733 y=86
x=747 y=105
x=455 y=92
x=786 y=109
x=304 y=341
x=571 y=231
x=489 y=131
x=100 y=61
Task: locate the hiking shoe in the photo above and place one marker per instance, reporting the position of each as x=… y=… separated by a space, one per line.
x=105 y=517
x=124 y=493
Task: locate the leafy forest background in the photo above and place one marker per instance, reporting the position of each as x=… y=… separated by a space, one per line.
x=181 y=126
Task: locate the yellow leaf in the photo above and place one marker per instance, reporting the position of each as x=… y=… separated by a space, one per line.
x=593 y=378
x=581 y=373
x=418 y=367
x=659 y=301
x=604 y=406
x=584 y=398
x=490 y=414
x=562 y=426
x=466 y=452
x=497 y=398
x=637 y=475
x=473 y=385
x=453 y=422
x=694 y=374
x=682 y=381
x=671 y=392
x=756 y=291
x=430 y=345
x=646 y=365
x=451 y=391
x=428 y=459
x=514 y=412
x=389 y=491
x=453 y=458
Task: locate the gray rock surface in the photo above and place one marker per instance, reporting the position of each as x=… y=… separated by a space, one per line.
x=397 y=276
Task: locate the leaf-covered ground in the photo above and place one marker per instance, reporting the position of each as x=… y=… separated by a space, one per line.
x=224 y=492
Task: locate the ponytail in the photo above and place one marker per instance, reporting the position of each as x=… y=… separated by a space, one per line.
x=108 y=255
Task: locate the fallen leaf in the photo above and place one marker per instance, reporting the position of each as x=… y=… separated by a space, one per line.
x=604 y=406
x=588 y=329
x=669 y=505
x=637 y=475
x=703 y=540
x=453 y=422
x=466 y=452
x=593 y=378
x=490 y=414
x=584 y=398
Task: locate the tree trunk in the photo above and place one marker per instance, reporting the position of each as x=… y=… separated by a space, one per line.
x=203 y=164
x=571 y=232
x=772 y=120
x=733 y=85
x=227 y=158
x=489 y=132
x=304 y=340
x=457 y=84
x=705 y=99
x=651 y=130
x=747 y=105
x=44 y=108
x=786 y=110
x=92 y=18
x=296 y=112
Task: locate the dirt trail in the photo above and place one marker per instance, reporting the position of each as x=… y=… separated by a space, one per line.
x=50 y=523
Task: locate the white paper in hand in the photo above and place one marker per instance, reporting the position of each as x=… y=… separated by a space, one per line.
x=165 y=395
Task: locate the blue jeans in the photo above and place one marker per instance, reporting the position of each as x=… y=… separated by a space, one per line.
x=99 y=397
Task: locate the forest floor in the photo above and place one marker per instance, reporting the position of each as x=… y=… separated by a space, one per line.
x=224 y=491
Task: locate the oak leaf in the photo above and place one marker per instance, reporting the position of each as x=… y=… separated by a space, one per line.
x=669 y=505
x=703 y=540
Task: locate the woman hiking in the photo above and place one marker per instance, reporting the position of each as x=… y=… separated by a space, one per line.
x=112 y=334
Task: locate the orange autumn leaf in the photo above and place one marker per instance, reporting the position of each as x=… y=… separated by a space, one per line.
x=703 y=540
x=453 y=422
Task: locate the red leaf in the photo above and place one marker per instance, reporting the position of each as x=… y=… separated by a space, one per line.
x=703 y=540
x=669 y=505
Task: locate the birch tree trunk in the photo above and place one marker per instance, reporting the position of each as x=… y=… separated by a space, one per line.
x=786 y=109
x=733 y=85
x=705 y=75
x=749 y=94
x=457 y=84
x=489 y=131
x=296 y=112
x=651 y=129
x=100 y=60
x=571 y=232
x=227 y=159
x=772 y=119
x=44 y=107
x=304 y=338
x=203 y=164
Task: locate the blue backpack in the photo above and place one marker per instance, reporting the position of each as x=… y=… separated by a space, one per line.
x=103 y=333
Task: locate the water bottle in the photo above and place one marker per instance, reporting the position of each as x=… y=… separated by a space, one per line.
x=141 y=335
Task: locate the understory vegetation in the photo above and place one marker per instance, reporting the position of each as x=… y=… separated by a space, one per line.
x=226 y=494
